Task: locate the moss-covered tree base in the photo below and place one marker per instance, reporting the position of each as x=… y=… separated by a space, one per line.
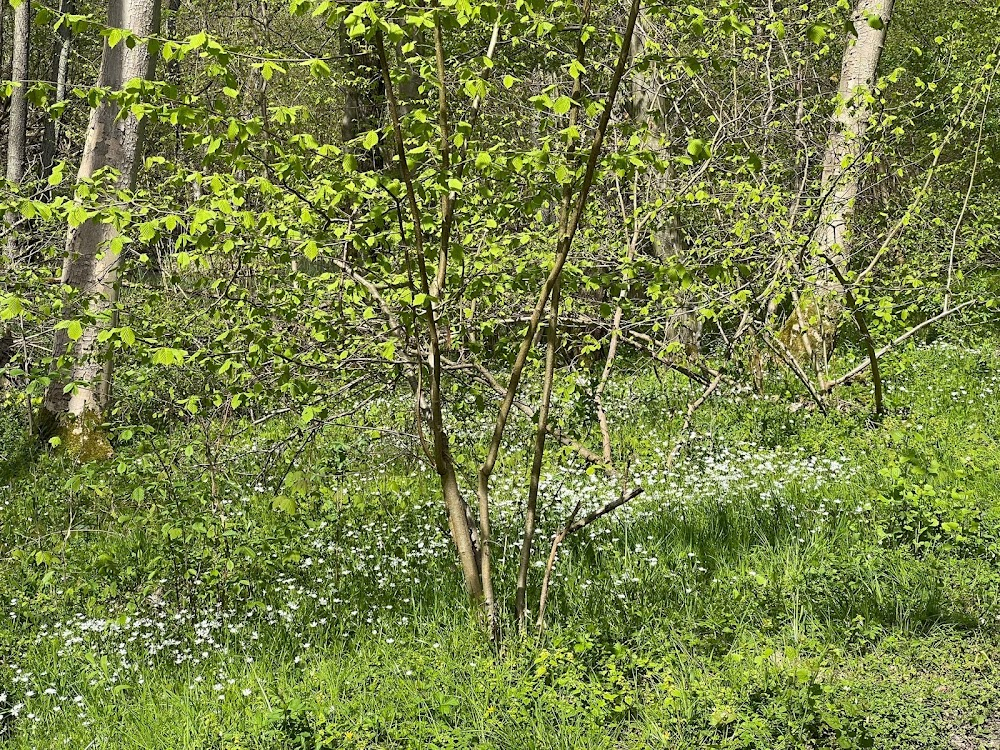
x=82 y=438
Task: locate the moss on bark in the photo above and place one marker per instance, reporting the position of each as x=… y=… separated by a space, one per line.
x=82 y=438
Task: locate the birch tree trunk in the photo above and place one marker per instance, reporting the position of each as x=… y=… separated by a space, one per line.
x=91 y=266
x=17 y=125
x=841 y=168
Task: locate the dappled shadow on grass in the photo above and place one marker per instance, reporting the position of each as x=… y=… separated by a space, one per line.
x=732 y=566
x=17 y=456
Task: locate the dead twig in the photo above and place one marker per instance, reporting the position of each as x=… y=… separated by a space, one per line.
x=572 y=525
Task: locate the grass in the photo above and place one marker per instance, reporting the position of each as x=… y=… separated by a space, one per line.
x=797 y=581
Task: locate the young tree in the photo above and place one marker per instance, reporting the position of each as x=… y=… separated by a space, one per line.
x=74 y=400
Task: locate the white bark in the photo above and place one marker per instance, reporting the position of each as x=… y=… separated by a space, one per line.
x=845 y=151
x=18 y=123
x=91 y=268
x=17 y=126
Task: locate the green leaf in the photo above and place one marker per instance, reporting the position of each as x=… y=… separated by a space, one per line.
x=816 y=33
x=698 y=149
x=319 y=68
x=14 y=308
x=370 y=141
x=197 y=41
x=483 y=160
x=268 y=68
x=167 y=356
x=77 y=215
x=148 y=232
x=285 y=504
x=74 y=330
x=56 y=175
x=475 y=87
x=562 y=105
x=115 y=36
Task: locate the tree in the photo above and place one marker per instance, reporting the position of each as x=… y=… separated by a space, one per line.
x=58 y=75
x=652 y=114
x=460 y=197
x=75 y=399
x=842 y=164
x=17 y=142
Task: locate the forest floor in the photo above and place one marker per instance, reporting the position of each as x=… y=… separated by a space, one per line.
x=797 y=581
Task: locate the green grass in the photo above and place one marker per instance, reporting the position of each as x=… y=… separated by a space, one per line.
x=798 y=581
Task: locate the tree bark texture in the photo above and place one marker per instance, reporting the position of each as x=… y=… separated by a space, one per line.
x=90 y=270
x=58 y=75
x=842 y=161
x=17 y=124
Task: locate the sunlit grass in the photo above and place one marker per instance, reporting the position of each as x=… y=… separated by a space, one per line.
x=756 y=595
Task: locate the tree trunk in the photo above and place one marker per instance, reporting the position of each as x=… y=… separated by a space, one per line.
x=352 y=97
x=650 y=112
x=841 y=168
x=364 y=101
x=17 y=124
x=58 y=74
x=4 y=102
x=409 y=88
x=91 y=266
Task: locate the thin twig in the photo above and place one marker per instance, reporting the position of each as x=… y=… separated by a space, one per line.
x=572 y=525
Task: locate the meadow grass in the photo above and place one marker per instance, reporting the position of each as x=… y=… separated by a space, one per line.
x=798 y=580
